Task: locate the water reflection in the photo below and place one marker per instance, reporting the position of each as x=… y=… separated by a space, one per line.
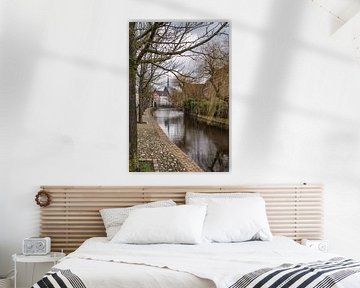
x=207 y=145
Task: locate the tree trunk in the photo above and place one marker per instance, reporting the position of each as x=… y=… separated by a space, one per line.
x=133 y=158
x=141 y=105
x=141 y=93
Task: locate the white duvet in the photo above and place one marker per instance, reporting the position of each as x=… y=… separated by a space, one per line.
x=100 y=263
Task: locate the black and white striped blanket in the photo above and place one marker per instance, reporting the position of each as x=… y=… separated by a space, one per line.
x=57 y=278
x=320 y=274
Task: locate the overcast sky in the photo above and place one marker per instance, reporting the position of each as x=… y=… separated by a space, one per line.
x=188 y=63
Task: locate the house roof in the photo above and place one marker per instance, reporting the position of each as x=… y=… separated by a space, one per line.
x=164 y=92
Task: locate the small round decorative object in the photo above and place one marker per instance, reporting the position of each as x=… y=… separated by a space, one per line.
x=42 y=198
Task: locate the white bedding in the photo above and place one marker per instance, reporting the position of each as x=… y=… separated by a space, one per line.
x=100 y=263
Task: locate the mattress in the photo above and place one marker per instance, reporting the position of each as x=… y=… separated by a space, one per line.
x=99 y=263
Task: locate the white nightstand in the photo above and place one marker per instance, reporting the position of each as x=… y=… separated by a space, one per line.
x=53 y=257
x=320 y=245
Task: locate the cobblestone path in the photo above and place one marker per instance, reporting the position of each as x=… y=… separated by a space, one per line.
x=154 y=144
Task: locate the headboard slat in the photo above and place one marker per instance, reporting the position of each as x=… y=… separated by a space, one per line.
x=73 y=216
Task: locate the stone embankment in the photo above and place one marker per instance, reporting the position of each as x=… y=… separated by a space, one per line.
x=154 y=144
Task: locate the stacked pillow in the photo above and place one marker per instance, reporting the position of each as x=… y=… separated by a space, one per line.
x=233 y=217
x=114 y=218
x=171 y=225
x=219 y=217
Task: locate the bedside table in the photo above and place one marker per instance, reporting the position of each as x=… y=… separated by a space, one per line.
x=320 y=245
x=53 y=257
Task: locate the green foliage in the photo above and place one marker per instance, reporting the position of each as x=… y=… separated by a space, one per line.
x=146 y=166
x=220 y=109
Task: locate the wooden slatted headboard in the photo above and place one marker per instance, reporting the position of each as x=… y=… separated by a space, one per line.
x=73 y=215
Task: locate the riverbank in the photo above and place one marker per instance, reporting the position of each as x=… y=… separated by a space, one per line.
x=217 y=122
x=155 y=145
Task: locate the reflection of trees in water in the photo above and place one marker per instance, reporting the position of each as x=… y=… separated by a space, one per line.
x=207 y=145
x=172 y=122
x=218 y=158
x=210 y=145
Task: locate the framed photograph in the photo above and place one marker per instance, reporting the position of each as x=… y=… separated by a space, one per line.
x=179 y=96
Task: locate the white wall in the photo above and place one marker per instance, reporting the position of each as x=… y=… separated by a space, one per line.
x=63 y=87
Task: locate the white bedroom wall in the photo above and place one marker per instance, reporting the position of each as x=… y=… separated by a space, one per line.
x=63 y=86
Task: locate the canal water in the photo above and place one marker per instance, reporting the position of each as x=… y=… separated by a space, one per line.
x=207 y=145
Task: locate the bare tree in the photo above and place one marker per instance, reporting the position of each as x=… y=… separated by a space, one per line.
x=213 y=64
x=163 y=40
x=147 y=75
x=212 y=57
x=133 y=162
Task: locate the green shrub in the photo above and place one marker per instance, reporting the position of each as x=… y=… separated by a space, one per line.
x=203 y=107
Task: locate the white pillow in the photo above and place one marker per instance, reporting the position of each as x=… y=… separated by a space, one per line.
x=180 y=224
x=203 y=198
x=113 y=218
x=236 y=220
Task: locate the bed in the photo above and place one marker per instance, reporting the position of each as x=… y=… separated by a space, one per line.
x=294 y=213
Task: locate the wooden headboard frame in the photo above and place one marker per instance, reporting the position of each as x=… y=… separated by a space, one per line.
x=73 y=215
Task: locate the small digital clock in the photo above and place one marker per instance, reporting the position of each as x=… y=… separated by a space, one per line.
x=36 y=246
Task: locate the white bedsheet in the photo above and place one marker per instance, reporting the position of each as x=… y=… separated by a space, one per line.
x=102 y=264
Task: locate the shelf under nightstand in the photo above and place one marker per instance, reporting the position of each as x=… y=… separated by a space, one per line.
x=53 y=257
